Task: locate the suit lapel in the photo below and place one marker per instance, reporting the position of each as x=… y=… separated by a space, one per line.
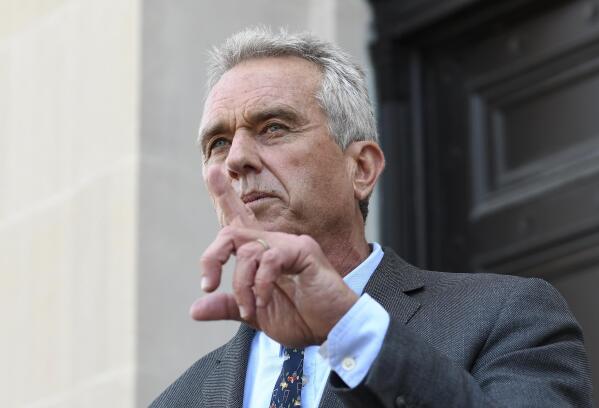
x=229 y=376
x=388 y=285
x=329 y=399
x=391 y=282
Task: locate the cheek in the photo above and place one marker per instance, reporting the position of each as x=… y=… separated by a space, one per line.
x=325 y=178
x=205 y=170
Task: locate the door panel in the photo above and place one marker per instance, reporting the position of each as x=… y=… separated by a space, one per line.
x=490 y=119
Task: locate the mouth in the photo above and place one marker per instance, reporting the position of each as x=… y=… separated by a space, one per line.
x=256 y=196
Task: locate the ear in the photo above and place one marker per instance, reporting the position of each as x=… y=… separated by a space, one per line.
x=367 y=161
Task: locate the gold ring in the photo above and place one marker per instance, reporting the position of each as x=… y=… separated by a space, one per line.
x=263 y=243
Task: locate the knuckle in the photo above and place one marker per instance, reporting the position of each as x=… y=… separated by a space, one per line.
x=271 y=256
x=206 y=261
x=307 y=241
x=245 y=251
x=237 y=286
x=261 y=284
x=227 y=231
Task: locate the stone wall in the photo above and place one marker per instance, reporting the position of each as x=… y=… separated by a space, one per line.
x=69 y=90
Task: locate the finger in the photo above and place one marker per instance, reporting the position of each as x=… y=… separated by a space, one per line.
x=270 y=268
x=226 y=243
x=287 y=259
x=233 y=210
x=215 y=306
x=248 y=256
x=214 y=257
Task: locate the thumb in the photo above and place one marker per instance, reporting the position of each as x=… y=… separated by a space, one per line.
x=215 y=306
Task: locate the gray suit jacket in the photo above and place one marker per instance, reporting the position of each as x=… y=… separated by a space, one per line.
x=455 y=340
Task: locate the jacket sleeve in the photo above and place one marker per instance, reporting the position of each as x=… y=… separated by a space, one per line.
x=532 y=357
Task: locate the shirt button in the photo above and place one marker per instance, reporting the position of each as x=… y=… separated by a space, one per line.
x=400 y=402
x=348 y=363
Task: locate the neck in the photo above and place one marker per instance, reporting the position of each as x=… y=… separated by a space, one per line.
x=346 y=252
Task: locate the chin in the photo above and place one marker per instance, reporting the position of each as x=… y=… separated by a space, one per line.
x=278 y=225
x=272 y=226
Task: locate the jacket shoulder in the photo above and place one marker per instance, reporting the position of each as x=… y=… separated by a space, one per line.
x=479 y=285
x=187 y=389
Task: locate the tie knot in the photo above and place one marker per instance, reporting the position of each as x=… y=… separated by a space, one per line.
x=294 y=359
x=291 y=351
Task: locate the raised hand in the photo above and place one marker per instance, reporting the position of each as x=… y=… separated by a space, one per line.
x=283 y=284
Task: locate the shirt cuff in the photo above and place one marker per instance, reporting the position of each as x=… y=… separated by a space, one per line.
x=356 y=340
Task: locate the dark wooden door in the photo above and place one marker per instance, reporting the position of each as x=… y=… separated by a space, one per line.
x=489 y=114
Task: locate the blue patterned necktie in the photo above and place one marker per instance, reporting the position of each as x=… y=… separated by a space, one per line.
x=288 y=388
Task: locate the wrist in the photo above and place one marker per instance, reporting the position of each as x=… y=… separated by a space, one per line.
x=338 y=308
x=355 y=342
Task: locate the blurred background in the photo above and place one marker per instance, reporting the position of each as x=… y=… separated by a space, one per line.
x=488 y=117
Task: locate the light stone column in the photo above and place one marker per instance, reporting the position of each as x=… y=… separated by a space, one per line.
x=69 y=89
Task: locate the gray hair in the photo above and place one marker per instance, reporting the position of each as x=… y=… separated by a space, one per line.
x=343 y=95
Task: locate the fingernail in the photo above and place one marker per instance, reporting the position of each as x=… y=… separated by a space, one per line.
x=259 y=301
x=243 y=312
x=204 y=283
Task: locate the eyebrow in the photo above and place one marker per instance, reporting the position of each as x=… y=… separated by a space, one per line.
x=281 y=112
x=258 y=116
x=207 y=132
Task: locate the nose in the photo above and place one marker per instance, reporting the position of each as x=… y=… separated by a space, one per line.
x=243 y=156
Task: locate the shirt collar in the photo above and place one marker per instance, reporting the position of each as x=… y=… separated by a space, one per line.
x=358 y=278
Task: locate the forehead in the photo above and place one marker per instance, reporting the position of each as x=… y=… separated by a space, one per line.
x=263 y=81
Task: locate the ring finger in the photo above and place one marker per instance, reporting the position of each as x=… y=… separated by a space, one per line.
x=247 y=262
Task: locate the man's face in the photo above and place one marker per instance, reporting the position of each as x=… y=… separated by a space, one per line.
x=263 y=128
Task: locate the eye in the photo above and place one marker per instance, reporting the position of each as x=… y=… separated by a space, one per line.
x=217 y=144
x=274 y=128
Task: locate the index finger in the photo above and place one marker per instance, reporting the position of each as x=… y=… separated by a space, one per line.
x=233 y=210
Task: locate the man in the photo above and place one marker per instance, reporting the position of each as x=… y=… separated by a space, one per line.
x=290 y=158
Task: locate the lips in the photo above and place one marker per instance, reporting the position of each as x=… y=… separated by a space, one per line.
x=255 y=195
